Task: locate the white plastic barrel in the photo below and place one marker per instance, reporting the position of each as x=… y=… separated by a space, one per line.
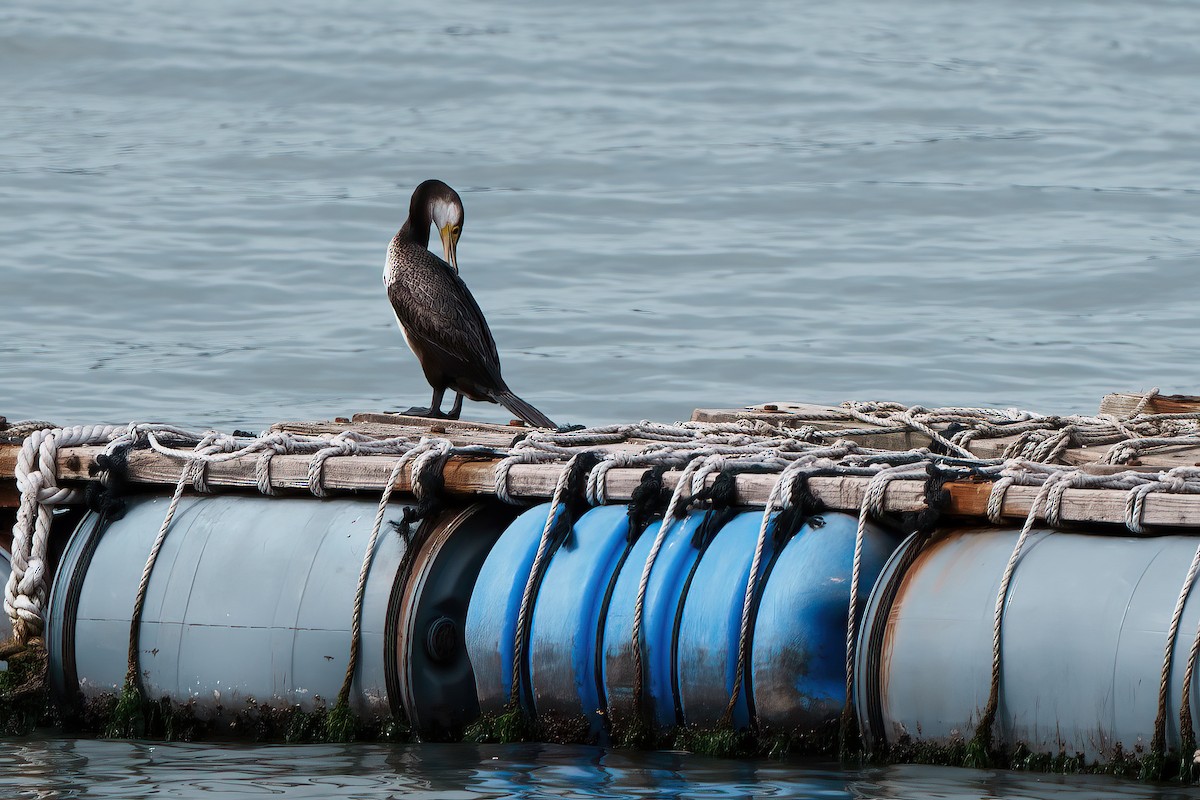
x=1083 y=639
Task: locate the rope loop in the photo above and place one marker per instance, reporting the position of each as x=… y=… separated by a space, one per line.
x=26 y=591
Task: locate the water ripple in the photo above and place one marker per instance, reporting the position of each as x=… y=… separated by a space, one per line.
x=859 y=200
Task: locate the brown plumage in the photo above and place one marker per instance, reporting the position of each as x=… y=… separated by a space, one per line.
x=439 y=318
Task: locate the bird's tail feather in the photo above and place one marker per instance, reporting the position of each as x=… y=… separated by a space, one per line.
x=523 y=410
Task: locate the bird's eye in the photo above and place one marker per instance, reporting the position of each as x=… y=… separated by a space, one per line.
x=456 y=230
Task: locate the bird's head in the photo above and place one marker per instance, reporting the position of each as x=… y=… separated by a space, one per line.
x=443 y=207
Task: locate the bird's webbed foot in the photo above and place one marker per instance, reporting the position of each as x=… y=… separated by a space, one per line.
x=420 y=411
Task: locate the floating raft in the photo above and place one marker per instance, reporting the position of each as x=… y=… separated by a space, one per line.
x=955 y=584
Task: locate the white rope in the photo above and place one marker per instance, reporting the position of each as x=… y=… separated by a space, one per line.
x=1185 y=703
x=429 y=451
x=1158 y=741
x=989 y=714
x=1145 y=401
x=676 y=506
x=534 y=578
x=364 y=571
x=131 y=673
x=774 y=502
x=25 y=593
x=872 y=505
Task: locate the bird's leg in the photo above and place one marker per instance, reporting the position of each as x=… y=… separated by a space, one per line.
x=435 y=407
x=456 y=409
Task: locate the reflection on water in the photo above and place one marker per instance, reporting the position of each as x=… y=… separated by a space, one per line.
x=71 y=768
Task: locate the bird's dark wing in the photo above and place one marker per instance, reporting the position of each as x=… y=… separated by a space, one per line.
x=442 y=318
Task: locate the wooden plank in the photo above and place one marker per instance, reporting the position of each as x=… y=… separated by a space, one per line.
x=464 y=476
x=9 y=496
x=969 y=499
x=502 y=437
x=1123 y=404
x=476 y=476
x=449 y=425
x=8 y=458
x=794 y=415
x=1072 y=456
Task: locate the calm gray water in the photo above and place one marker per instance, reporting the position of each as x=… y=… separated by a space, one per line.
x=65 y=768
x=669 y=205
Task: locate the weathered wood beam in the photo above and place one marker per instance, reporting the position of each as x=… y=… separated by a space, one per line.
x=1122 y=404
x=793 y=415
x=9 y=497
x=464 y=476
x=382 y=426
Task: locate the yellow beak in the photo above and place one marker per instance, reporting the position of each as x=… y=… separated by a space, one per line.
x=449 y=243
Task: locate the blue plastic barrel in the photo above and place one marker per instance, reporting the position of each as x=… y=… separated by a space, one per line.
x=799 y=650
x=249 y=604
x=491 y=622
x=664 y=593
x=568 y=616
x=709 y=627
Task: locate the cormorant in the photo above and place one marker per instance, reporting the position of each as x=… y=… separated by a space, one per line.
x=439 y=318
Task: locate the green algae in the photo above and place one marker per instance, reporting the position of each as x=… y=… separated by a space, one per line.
x=341 y=724
x=25 y=703
x=510 y=725
x=1136 y=763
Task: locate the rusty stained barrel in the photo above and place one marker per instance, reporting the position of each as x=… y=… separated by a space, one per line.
x=436 y=682
x=250 y=604
x=1083 y=639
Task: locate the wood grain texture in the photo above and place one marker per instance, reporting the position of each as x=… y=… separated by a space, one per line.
x=791 y=415
x=476 y=475
x=9 y=496
x=1122 y=404
x=465 y=476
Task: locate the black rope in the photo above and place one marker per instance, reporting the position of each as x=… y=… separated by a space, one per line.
x=107 y=497
x=937 y=448
x=647 y=502
x=720 y=498
x=574 y=504
x=937 y=499
x=429 y=489
x=803 y=507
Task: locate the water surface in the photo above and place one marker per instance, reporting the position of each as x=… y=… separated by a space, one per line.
x=668 y=205
x=67 y=768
